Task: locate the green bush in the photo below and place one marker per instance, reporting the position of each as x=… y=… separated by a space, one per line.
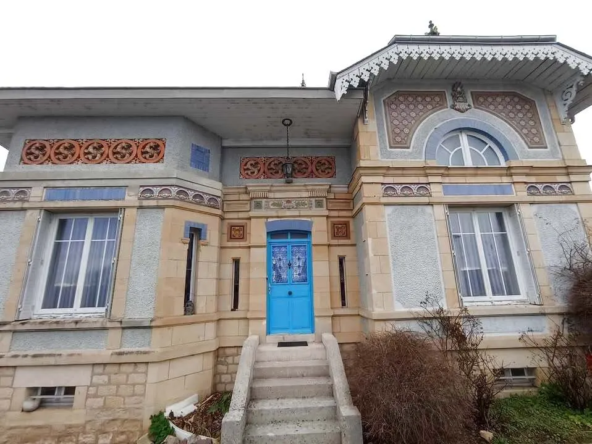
x=539 y=419
x=159 y=428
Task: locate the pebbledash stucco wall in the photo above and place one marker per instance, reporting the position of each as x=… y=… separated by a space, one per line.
x=430 y=131
x=559 y=228
x=231 y=159
x=415 y=262
x=179 y=133
x=11 y=223
x=143 y=279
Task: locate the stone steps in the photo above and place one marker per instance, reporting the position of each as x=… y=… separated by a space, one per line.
x=275 y=388
x=290 y=369
x=294 y=432
x=271 y=352
x=264 y=411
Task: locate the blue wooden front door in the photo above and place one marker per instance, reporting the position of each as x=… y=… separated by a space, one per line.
x=289 y=283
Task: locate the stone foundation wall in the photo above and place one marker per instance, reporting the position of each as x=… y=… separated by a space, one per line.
x=226 y=367
x=347 y=355
x=110 y=410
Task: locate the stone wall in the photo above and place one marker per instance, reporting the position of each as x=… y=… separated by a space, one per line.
x=226 y=367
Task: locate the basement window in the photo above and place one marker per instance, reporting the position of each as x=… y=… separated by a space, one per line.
x=55 y=396
x=518 y=377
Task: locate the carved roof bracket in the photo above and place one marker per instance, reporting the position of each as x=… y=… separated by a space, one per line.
x=565 y=95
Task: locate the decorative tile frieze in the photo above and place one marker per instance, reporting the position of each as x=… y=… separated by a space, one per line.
x=84 y=193
x=236 y=231
x=305 y=167
x=406 y=190
x=548 y=189
x=340 y=230
x=460 y=102
x=518 y=111
x=405 y=110
x=14 y=194
x=179 y=193
x=92 y=151
x=288 y=204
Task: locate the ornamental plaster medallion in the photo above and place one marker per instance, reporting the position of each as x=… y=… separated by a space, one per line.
x=518 y=111
x=305 y=167
x=460 y=102
x=179 y=193
x=237 y=232
x=15 y=194
x=92 y=151
x=340 y=230
x=405 y=110
x=548 y=189
x=406 y=190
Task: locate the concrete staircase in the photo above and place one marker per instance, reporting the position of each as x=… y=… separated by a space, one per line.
x=292 y=397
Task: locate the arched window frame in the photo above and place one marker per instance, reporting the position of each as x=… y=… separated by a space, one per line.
x=466 y=148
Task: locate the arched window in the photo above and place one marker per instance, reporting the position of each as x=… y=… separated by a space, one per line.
x=466 y=148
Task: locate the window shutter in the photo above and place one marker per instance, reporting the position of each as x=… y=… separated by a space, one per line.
x=36 y=266
x=114 y=262
x=458 y=287
x=524 y=257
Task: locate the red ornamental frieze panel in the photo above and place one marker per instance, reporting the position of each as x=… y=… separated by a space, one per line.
x=405 y=110
x=305 y=167
x=518 y=111
x=92 y=151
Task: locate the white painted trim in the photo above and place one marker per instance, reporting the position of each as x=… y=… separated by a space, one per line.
x=382 y=59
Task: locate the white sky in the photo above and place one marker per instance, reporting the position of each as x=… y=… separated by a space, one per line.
x=247 y=43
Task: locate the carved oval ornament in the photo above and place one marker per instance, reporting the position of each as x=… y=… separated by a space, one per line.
x=35 y=152
x=94 y=151
x=64 y=152
x=151 y=151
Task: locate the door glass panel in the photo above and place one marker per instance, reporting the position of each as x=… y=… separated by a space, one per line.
x=299 y=264
x=299 y=235
x=278 y=236
x=279 y=264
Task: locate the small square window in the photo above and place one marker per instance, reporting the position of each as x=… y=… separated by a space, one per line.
x=200 y=158
x=55 y=396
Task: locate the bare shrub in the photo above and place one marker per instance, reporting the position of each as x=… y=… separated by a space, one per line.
x=406 y=392
x=459 y=335
x=563 y=358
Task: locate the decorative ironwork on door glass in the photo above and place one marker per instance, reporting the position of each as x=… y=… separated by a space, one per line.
x=299 y=265
x=279 y=264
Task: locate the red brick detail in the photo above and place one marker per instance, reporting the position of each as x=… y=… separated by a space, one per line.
x=92 y=151
x=305 y=167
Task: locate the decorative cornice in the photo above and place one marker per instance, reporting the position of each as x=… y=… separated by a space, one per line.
x=178 y=193
x=548 y=189
x=396 y=52
x=406 y=190
x=15 y=194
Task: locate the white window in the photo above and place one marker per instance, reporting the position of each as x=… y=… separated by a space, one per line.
x=518 y=377
x=81 y=258
x=55 y=396
x=465 y=148
x=484 y=258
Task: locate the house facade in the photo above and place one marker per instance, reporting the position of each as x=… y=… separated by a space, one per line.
x=146 y=233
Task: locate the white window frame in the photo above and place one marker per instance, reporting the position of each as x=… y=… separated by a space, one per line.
x=466 y=149
x=528 y=380
x=51 y=237
x=59 y=400
x=490 y=299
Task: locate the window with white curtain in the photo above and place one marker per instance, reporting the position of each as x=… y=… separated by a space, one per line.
x=466 y=148
x=484 y=253
x=81 y=261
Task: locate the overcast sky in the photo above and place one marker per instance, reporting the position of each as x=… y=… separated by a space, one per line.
x=247 y=43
